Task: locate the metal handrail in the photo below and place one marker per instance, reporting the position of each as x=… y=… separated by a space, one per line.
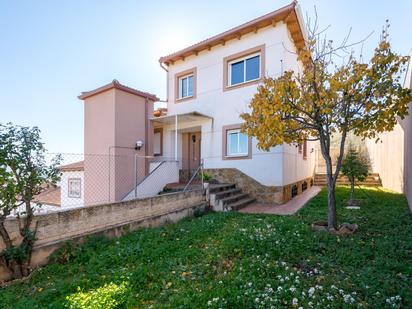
x=200 y=168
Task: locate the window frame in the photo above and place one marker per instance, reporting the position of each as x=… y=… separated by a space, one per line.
x=225 y=148
x=243 y=59
x=159 y=131
x=69 y=180
x=244 y=55
x=178 y=78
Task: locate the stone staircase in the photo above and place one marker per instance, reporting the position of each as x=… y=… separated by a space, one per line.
x=372 y=180
x=226 y=197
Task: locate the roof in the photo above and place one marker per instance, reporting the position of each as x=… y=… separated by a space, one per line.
x=161 y=111
x=50 y=196
x=116 y=85
x=186 y=117
x=288 y=14
x=73 y=167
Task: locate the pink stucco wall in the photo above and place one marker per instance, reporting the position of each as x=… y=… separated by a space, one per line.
x=113 y=121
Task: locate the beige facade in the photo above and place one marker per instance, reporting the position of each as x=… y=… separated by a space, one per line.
x=115 y=118
x=392 y=156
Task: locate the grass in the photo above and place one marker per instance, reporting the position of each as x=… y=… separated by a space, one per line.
x=239 y=261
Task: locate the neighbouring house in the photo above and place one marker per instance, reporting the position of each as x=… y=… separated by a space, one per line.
x=391 y=156
x=209 y=84
x=68 y=193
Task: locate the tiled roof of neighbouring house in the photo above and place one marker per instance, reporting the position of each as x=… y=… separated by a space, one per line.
x=72 y=167
x=50 y=196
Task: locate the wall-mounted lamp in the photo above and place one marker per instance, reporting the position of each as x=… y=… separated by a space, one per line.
x=139 y=145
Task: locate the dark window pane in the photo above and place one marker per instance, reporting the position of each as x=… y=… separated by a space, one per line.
x=237 y=73
x=190 y=86
x=183 y=87
x=253 y=68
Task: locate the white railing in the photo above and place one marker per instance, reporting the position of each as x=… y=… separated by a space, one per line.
x=164 y=173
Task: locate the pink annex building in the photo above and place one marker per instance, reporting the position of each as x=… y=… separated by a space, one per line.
x=133 y=151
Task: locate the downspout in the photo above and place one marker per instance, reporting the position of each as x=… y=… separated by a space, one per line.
x=146 y=138
x=167 y=81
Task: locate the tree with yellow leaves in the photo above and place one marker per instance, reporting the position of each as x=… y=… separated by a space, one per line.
x=324 y=99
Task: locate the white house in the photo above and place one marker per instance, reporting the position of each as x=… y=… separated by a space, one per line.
x=210 y=84
x=68 y=193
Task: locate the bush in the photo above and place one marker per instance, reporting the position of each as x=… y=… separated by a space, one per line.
x=355 y=166
x=108 y=296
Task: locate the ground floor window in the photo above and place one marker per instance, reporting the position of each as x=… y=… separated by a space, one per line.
x=235 y=143
x=157 y=142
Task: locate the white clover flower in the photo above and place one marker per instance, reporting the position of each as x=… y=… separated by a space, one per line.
x=295 y=301
x=280 y=288
x=256 y=300
x=292 y=289
x=311 y=291
x=209 y=303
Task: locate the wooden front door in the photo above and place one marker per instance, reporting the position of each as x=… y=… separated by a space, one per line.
x=194 y=150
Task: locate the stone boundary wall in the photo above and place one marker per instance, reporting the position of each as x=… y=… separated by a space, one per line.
x=262 y=193
x=111 y=220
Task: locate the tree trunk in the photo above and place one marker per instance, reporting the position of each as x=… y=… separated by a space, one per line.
x=324 y=146
x=352 y=190
x=332 y=222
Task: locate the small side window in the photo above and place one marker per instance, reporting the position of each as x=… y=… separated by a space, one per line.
x=185 y=86
x=74 y=188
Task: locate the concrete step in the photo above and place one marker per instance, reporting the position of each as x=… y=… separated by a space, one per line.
x=222 y=194
x=368 y=184
x=241 y=203
x=221 y=187
x=233 y=198
x=372 y=180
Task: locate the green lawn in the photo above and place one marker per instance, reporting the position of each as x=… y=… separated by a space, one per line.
x=239 y=261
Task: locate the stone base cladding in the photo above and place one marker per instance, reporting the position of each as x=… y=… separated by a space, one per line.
x=111 y=220
x=262 y=193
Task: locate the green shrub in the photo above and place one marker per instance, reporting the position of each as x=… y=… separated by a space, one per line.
x=108 y=296
x=206 y=177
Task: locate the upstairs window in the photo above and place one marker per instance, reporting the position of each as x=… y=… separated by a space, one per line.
x=244 y=70
x=186 y=86
x=237 y=143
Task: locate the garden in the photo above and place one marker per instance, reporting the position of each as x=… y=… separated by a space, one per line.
x=234 y=260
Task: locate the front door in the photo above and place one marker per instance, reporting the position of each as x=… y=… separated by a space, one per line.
x=194 y=150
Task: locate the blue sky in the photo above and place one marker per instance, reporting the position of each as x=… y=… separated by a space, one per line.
x=50 y=51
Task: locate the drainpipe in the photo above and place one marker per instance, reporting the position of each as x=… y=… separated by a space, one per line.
x=176 y=137
x=167 y=81
x=146 y=144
